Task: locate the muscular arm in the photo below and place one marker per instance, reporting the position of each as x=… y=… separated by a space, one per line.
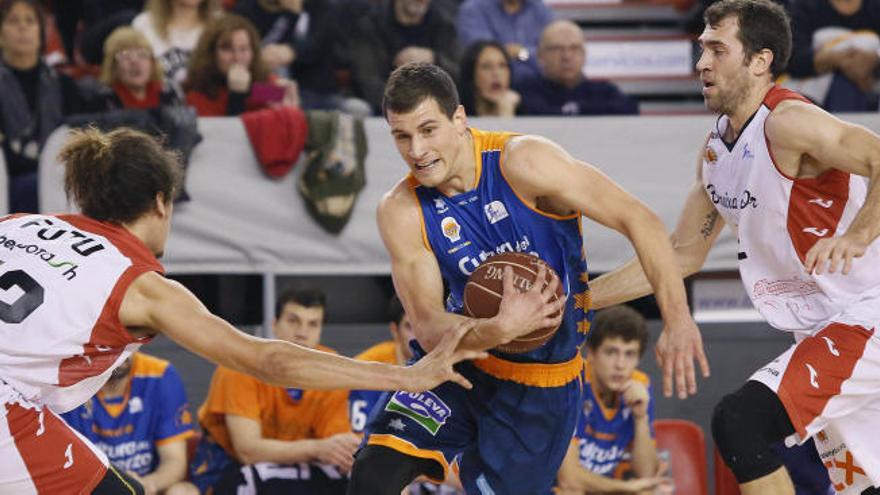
x=541 y=170
x=698 y=227
x=171 y=468
x=157 y=304
x=806 y=141
x=418 y=283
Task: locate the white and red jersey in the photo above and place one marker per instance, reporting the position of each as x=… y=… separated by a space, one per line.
x=778 y=218
x=62 y=280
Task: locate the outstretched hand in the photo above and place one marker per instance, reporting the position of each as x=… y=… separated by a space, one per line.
x=834 y=250
x=676 y=350
x=436 y=367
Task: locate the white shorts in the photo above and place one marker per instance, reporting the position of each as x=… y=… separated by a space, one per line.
x=41 y=454
x=829 y=384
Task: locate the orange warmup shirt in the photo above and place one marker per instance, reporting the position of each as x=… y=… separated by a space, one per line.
x=317 y=413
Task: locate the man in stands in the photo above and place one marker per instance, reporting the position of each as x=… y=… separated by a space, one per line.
x=248 y=422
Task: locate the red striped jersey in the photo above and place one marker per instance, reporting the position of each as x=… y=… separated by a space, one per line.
x=777 y=220
x=62 y=280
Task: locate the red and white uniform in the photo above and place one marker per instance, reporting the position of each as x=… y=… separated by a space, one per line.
x=830 y=379
x=62 y=280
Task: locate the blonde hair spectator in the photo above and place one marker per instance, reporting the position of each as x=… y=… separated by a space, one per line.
x=125 y=39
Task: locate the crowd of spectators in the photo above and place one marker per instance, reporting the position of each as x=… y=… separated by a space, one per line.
x=229 y=57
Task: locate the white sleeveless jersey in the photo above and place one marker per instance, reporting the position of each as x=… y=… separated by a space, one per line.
x=62 y=280
x=778 y=219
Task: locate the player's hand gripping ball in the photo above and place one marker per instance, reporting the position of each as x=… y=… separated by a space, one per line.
x=483 y=292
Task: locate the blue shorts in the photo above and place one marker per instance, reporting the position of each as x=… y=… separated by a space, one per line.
x=508 y=435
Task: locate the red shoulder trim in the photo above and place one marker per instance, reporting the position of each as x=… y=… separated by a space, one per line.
x=129 y=245
x=778 y=94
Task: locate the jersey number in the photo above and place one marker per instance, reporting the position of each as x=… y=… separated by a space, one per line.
x=26 y=303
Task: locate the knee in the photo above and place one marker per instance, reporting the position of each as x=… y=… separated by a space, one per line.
x=728 y=422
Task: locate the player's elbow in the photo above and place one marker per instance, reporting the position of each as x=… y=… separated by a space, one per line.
x=690 y=258
x=277 y=365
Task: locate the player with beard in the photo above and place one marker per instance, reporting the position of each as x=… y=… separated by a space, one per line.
x=789 y=179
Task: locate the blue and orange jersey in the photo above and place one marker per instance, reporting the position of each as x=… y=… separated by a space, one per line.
x=465 y=229
x=361 y=403
x=154 y=410
x=604 y=435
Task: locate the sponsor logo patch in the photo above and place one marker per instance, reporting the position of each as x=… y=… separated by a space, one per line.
x=424 y=408
x=495 y=211
x=451 y=229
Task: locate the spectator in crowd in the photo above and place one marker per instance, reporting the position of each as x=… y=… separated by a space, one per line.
x=516 y=24
x=395 y=33
x=227 y=76
x=173 y=28
x=562 y=88
x=132 y=77
x=614 y=438
x=835 y=52
x=301 y=40
x=485 y=81
x=92 y=21
x=140 y=418
x=246 y=421
x=33 y=98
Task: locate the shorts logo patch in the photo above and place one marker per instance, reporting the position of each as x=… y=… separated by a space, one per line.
x=424 y=408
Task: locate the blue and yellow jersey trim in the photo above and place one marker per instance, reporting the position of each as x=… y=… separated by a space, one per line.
x=532 y=374
x=142 y=366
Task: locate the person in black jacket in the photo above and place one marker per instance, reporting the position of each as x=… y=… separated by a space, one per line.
x=33 y=98
x=395 y=33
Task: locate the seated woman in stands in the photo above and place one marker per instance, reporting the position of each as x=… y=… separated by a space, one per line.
x=132 y=74
x=485 y=81
x=227 y=76
x=33 y=98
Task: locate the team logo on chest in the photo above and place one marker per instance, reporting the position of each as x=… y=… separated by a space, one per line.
x=710 y=155
x=451 y=229
x=495 y=211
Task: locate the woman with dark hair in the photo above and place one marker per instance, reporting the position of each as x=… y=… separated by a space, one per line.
x=485 y=81
x=33 y=98
x=227 y=76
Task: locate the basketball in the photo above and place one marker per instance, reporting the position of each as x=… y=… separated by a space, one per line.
x=482 y=294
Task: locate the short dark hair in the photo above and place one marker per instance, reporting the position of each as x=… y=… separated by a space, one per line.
x=618 y=321
x=115 y=176
x=395 y=309
x=309 y=298
x=762 y=24
x=412 y=83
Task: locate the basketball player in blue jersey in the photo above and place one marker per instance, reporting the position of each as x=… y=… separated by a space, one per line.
x=471 y=194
